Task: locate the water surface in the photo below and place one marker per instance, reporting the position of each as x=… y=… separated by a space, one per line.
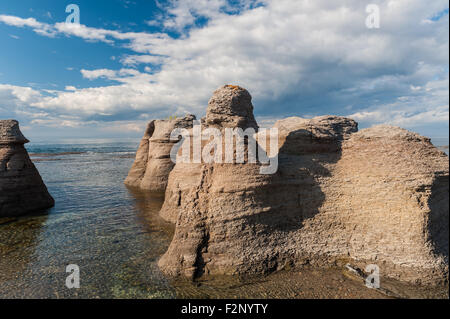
x=116 y=237
x=113 y=234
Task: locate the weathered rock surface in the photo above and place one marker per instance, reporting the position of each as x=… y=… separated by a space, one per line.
x=379 y=196
x=22 y=190
x=392 y=188
x=152 y=166
x=230 y=106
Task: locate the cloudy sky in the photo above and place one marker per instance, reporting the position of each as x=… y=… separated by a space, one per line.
x=129 y=61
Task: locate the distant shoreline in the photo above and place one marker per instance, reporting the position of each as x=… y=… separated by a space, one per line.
x=55 y=154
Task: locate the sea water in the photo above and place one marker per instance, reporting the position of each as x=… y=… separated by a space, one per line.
x=113 y=234
x=116 y=237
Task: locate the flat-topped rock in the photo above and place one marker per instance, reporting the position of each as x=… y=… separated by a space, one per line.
x=328 y=126
x=319 y=134
x=390 y=132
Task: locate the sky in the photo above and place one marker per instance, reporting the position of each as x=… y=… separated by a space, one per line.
x=130 y=61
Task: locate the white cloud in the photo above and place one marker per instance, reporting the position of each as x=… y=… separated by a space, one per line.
x=183 y=13
x=95 y=74
x=11 y=95
x=19 y=22
x=133 y=60
x=429 y=105
x=119 y=126
x=57 y=122
x=295 y=57
x=138 y=41
x=84 y=32
x=180 y=14
x=38 y=27
x=404 y=117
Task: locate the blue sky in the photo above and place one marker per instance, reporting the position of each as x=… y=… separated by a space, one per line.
x=131 y=61
x=48 y=62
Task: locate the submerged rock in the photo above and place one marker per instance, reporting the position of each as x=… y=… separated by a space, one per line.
x=22 y=190
x=379 y=196
x=152 y=166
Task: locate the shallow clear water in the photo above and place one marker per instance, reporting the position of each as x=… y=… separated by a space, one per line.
x=116 y=237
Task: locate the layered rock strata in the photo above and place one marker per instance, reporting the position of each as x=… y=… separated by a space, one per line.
x=230 y=106
x=378 y=196
x=152 y=166
x=22 y=190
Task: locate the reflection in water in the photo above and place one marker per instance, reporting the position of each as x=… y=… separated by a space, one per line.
x=149 y=205
x=115 y=236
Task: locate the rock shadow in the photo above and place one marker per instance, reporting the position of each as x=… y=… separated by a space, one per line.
x=438 y=224
x=294 y=194
x=148 y=204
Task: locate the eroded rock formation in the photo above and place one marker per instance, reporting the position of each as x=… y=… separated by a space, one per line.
x=378 y=196
x=22 y=190
x=392 y=186
x=230 y=106
x=152 y=166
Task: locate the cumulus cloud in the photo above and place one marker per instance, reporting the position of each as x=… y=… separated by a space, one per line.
x=296 y=57
x=17 y=96
x=425 y=105
x=180 y=15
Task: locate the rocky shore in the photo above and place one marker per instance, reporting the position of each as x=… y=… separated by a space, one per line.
x=378 y=196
